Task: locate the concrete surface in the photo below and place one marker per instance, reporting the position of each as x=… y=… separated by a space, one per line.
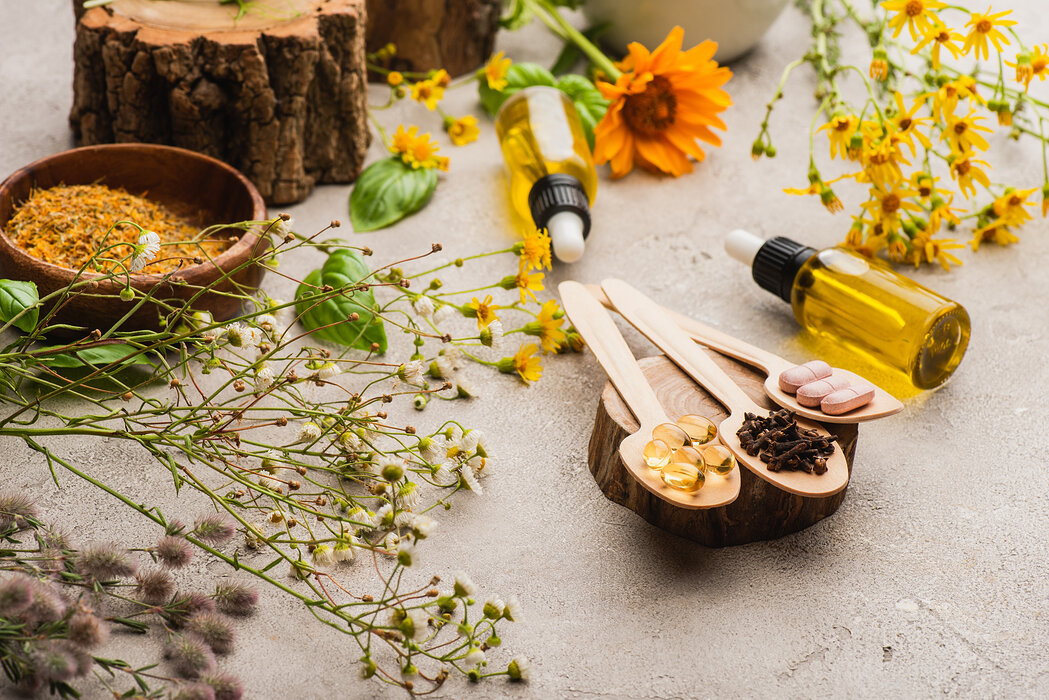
x=930 y=580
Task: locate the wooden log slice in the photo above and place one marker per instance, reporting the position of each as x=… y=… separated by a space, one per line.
x=762 y=511
x=279 y=94
x=457 y=35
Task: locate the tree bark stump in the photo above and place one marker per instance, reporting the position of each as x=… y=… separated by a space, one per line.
x=457 y=35
x=762 y=511
x=282 y=100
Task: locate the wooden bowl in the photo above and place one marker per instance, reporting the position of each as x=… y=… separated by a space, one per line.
x=200 y=189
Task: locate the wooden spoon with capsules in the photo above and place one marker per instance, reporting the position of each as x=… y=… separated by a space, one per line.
x=650 y=319
x=599 y=331
x=883 y=404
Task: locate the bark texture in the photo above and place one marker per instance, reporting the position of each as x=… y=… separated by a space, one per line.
x=285 y=105
x=762 y=511
x=457 y=35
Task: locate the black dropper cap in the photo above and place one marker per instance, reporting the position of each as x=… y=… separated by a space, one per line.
x=776 y=264
x=556 y=193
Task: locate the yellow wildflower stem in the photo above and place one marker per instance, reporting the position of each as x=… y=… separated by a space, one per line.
x=549 y=16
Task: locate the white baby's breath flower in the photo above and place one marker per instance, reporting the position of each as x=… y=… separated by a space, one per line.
x=384 y=516
x=420 y=624
x=402 y=519
x=470 y=479
x=444 y=367
x=474 y=657
x=271 y=484
x=309 y=431
x=412 y=372
x=492 y=335
x=445 y=312
x=463 y=388
x=422 y=526
x=281 y=227
x=322 y=555
x=145 y=250
x=432 y=449
x=477 y=464
x=276 y=516
x=453 y=355
x=408 y=493
x=470 y=440
x=263 y=378
x=367 y=520
x=444 y=476
x=519 y=669
x=266 y=322
x=493 y=608
x=328 y=370
x=512 y=612
x=350 y=441
x=390 y=542
x=464 y=587
x=405 y=553
x=423 y=306
x=345 y=550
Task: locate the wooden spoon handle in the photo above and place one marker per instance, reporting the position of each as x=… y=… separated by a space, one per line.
x=712 y=338
x=649 y=318
x=607 y=344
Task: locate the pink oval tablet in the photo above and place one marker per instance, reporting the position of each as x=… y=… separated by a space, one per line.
x=792 y=379
x=812 y=393
x=845 y=400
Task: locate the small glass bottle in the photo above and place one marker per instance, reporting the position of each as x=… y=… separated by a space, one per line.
x=861 y=303
x=549 y=165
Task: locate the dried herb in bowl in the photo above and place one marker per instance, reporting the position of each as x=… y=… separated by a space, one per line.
x=67 y=225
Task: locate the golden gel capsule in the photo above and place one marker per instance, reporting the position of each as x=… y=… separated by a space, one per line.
x=719 y=459
x=656 y=454
x=685 y=472
x=670 y=434
x=700 y=430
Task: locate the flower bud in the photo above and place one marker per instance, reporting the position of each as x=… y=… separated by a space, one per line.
x=127 y=294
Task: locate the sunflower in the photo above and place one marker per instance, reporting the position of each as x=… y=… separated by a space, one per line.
x=662 y=102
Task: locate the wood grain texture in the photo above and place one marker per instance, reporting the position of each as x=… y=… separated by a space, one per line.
x=203 y=190
x=286 y=104
x=762 y=511
x=457 y=35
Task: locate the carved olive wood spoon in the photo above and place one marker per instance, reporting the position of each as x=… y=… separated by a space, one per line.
x=599 y=331
x=883 y=404
x=650 y=319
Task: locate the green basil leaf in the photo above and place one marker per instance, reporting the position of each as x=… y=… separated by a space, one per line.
x=98 y=356
x=587 y=100
x=387 y=191
x=16 y=297
x=518 y=77
x=328 y=319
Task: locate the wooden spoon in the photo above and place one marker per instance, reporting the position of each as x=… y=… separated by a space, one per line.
x=884 y=404
x=650 y=319
x=596 y=327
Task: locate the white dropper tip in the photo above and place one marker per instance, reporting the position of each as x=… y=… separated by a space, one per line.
x=743 y=245
x=566 y=235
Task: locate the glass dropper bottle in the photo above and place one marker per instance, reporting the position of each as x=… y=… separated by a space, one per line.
x=862 y=304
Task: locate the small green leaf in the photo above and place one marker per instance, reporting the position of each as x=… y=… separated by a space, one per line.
x=387 y=191
x=328 y=318
x=98 y=356
x=587 y=100
x=518 y=77
x=16 y=297
x=516 y=15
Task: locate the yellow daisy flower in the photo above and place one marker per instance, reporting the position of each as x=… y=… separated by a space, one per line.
x=839 y=130
x=963 y=134
x=964 y=169
x=394 y=78
x=483 y=311
x=984 y=27
x=547 y=326
x=462 y=130
x=906 y=125
x=935 y=250
x=940 y=37
x=495 y=71
x=887 y=203
x=918 y=16
x=528 y=283
x=1010 y=208
x=428 y=92
x=945 y=100
x=528 y=367
x=534 y=251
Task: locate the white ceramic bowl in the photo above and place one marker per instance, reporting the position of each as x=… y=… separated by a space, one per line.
x=737 y=25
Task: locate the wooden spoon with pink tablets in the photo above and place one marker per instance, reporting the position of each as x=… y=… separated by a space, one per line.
x=815 y=385
x=844 y=398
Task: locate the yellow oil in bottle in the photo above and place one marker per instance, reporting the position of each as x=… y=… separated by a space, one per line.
x=541 y=136
x=887 y=317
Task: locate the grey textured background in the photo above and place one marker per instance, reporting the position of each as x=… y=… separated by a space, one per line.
x=931 y=578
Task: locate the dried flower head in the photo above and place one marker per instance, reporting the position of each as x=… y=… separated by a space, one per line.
x=86 y=629
x=15 y=506
x=225 y=687
x=189 y=656
x=155 y=586
x=235 y=598
x=173 y=551
x=214 y=629
x=213 y=528
x=105 y=562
